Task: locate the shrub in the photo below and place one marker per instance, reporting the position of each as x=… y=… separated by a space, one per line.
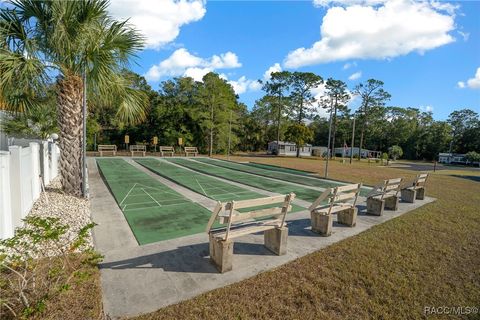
x=395 y=152
x=35 y=265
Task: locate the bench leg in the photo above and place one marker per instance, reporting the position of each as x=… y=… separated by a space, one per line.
x=409 y=195
x=348 y=217
x=276 y=240
x=221 y=254
x=420 y=194
x=391 y=203
x=322 y=223
x=375 y=206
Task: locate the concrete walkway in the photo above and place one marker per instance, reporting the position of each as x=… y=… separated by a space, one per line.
x=140 y=279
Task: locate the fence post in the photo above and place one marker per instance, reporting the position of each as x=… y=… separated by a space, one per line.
x=35 y=147
x=46 y=163
x=6 y=222
x=55 y=157
x=16 y=185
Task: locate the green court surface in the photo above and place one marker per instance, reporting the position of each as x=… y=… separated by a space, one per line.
x=278 y=168
x=208 y=186
x=249 y=179
x=275 y=174
x=197 y=182
x=154 y=211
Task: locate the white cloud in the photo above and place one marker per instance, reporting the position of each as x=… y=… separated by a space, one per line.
x=159 y=20
x=349 y=65
x=355 y=76
x=183 y=63
x=386 y=30
x=465 y=35
x=243 y=85
x=426 y=108
x=275 y=68
x=473 y=83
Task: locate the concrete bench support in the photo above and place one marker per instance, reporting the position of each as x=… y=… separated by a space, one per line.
x=322 y=223
x=276 y=240
x=391 y=203
x=221 y=253
x=409 y=195
x=348 y=217
x=375 y=206
x=420 y=193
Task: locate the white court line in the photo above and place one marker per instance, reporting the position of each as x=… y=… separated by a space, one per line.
x=169 y=205
x=128 y=193
x=152 y=197
x=201 y=187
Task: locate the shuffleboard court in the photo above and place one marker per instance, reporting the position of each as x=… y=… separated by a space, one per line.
x=291 y=177
x=278 y=168
x=256 y=181
x=199 y=183
x=205 y=185
x=153 y=211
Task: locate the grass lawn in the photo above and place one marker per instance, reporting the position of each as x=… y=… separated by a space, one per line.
x=427 y=257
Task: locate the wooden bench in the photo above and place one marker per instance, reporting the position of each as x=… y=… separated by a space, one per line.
x=384 y=196
x=191 y=150
x=415 y=189
x=107 y=148
x=166 y=150
x=138 y=148
x=337 y=202
x=236 y=224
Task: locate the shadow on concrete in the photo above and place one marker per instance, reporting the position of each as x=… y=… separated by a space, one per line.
x=302 y=228
x=194 y=258
x=473 y=178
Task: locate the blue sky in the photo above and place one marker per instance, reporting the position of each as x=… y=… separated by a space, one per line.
x=426 y=53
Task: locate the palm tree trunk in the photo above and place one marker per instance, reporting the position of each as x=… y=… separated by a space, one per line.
x=69 y=100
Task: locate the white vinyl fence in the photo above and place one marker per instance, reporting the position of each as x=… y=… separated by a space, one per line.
x=21 y=171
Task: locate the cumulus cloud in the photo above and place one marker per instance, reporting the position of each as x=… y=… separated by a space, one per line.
x=159 y=21
x=377 y=30
x=275 y=68
x=243 y=85
x=355 y=76
x=349 y=65
x=183 y=63
x=472 y=83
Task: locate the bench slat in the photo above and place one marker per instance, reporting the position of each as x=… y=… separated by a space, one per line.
x=345 y=196
x=258 y=202
x=247 y=229
x=259 y=213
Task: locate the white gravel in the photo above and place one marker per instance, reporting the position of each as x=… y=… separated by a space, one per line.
x=70 y=210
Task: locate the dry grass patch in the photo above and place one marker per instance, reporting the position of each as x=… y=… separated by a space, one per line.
x=427 y=257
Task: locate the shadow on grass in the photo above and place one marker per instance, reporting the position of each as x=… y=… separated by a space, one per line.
x=472 y=178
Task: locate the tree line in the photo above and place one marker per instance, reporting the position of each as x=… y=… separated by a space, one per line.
x=208 y=114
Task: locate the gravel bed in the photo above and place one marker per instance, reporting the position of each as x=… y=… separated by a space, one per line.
x=70 y=210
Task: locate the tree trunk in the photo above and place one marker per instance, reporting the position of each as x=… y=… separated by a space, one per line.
x=210 y=152
x=278 y=125
x=334 y=130
x=69 y=100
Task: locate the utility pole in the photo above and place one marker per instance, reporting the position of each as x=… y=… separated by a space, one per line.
x=353 y=140
x=328 y=145
x=229 y=135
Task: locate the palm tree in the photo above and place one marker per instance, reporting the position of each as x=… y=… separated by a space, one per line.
x=79 y=44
